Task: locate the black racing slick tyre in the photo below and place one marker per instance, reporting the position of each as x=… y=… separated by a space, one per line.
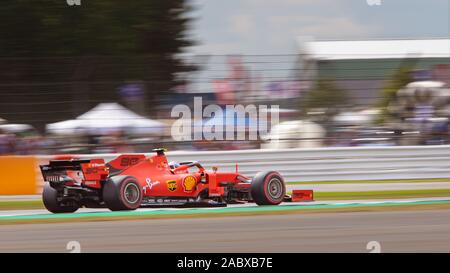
x=50 y=200
x=268 y=188
x=122 y=193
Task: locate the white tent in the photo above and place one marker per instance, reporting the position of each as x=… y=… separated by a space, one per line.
x=295 y=134
x=106 y=118
x=2 y=121
x=438 y=91
x=16 y=128
x=363 y=117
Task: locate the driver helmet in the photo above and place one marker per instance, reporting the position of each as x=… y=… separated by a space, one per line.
x=173 y=165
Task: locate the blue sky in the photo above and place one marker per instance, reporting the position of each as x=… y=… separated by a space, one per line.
x=271 y=26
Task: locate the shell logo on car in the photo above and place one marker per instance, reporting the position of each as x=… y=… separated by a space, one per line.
x=189 y=183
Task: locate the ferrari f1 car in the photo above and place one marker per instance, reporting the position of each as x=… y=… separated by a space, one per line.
x=131 y=181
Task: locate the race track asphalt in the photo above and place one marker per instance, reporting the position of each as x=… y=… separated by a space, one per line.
x=396 y=231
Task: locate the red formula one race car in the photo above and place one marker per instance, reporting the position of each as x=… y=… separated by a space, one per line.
x=131 y=181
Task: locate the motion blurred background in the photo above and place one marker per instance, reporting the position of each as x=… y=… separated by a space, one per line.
x=103 y=76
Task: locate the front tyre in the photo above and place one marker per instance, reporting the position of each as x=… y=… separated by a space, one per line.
x=50 y=200
x=122 y=193
x=268 y=188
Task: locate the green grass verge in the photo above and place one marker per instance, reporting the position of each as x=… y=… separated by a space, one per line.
x=373 y=181
x=318 y=196
x=21 y=205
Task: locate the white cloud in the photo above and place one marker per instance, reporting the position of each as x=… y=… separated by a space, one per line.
x=284 y=29
x=241 y=24
x=339 y=28
x=218 y=48
x=250 y=26
x=291 y=3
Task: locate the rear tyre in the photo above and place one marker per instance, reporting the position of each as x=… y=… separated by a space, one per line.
x=268 y=188
x=50 y=199
x=122 y=193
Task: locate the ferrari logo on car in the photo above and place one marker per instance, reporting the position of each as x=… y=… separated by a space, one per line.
x=189 y=183
x=171 y=185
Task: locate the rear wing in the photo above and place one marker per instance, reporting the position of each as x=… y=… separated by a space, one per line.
x=59 y=165
x=93 y=171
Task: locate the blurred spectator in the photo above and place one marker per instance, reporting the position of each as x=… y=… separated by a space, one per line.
x=7 y=143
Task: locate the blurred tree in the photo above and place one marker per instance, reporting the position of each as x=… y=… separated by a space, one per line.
x=326 y=96
x=57 y=60
x=399 y=79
